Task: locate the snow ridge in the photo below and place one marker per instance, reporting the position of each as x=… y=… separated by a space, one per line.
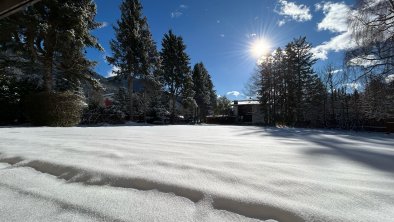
x=89 y=177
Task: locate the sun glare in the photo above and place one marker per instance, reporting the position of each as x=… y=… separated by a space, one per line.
x=260 y=47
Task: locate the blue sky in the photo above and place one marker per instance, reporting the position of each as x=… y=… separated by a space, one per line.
x=221 y=33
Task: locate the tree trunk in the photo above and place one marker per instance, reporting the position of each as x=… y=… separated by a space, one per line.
x=144 y=103
x=48 y=79
x=173 y=109
x=49 y=45
x=131 y=93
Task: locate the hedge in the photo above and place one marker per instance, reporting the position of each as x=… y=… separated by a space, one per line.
x=54 y=108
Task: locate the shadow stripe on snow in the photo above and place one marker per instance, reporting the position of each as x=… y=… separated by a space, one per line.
x=11 y=160
x=254 y=210
x=62 y=204
x=77 y=175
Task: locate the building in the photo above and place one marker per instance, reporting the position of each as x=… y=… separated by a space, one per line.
x=248 y=111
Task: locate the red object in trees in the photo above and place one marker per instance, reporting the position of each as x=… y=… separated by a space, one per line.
x=107 y=102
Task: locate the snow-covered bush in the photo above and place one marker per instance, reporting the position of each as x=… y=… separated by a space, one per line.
x=54 y=108
x=95 y=114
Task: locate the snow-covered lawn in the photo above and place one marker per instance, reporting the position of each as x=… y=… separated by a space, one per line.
x=195 y=173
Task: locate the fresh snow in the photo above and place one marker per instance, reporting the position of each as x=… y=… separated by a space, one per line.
x=194 y=173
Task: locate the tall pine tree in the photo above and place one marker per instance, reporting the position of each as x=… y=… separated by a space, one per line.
x=300 y=75
x=134 y=52
x=290 y=92
x=175 y=68
x=202 y=89
x=212 y=96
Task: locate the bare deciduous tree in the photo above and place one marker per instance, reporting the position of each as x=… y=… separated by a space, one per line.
x=372 y=26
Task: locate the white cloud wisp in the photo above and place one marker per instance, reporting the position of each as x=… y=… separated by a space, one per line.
x=335 y=21
x=234 y=93
x=292 y=11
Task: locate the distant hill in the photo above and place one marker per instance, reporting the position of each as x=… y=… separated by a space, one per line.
x=112 y=84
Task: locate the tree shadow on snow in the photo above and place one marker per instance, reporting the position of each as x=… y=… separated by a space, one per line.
x=127 y=124
x=375 y=151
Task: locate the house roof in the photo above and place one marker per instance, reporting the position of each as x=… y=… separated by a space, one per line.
x=245 y=102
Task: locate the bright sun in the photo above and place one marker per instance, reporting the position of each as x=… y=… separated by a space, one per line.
x=260 y=47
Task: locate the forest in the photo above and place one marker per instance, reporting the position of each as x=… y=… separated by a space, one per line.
x=357 y=95
x=47 y=79
x=293 y=93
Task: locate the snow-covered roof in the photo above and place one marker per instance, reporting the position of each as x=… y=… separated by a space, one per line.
x=246 y=102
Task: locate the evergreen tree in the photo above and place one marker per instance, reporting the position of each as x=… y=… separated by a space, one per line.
x=290 y=92
x=202 y=89
x=175 y=68
x=188 y=101
x=134 y=51
x=378 y=103
x=122 y=100
x=314 y=101
x=42 y=49
x=355 y=110
x=158 y=106
x=52 y=35
x=213 y=96
x=265 y=92
x=331 y=86
x=301 y=76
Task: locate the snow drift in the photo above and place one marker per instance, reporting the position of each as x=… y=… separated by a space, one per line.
x=195 y=173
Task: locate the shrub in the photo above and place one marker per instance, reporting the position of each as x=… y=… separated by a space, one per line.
x=96 y=114
x=54 y=108
x=9 y=113
x=12 y=90
x=221 y=119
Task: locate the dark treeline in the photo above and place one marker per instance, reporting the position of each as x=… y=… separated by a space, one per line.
x=292 y=93
x=171 y=88
x=360 y=95
x=288 y=88
x=42 y=52
x=43 y=59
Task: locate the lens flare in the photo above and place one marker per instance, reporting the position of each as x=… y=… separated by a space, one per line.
x=260 y=47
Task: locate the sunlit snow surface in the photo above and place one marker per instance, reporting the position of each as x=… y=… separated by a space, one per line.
x=195 y=173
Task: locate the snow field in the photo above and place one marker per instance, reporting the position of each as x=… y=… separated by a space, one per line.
x=195 y=173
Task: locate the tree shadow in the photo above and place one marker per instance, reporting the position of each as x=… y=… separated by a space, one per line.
x=366 y=156
x=81 y=126
x=377 y=150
